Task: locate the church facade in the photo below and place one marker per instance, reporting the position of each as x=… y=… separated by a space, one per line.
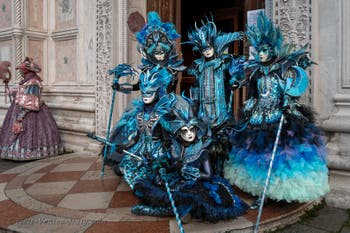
x=77 y=41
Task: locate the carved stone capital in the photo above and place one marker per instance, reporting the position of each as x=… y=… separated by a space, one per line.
x=294 y=19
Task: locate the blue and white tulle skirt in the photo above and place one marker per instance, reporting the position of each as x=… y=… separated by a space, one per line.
x=299 y=171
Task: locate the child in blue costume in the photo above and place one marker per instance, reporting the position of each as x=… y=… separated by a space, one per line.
x=195 y=190
x=212 y=91
x=276 y=81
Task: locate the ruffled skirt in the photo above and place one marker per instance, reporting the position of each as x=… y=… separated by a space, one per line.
x=209 y=201
x=299 y=170
x=39 y=139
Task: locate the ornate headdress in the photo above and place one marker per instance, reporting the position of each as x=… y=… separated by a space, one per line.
x=265 y=33
x=156 y=36
x=29 y=65
x=182 y=115
x=208 y=36
x=154 y=79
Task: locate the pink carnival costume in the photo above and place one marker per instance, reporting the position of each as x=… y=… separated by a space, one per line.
x=29 y=130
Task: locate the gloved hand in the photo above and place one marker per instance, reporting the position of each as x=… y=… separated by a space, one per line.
x=190 y=173
x=116 y=86
x=17 y=127
x=235 y=85
x=287 y=104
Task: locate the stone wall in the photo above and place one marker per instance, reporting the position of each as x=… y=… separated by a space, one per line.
x=333 y=97
x=75 y=42
x=325 y=25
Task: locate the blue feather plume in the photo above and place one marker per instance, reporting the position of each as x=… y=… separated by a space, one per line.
x=265 y=33
x=155 y=23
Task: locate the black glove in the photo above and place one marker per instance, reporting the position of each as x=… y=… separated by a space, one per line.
x=235 y=85
x=116 y=86
x=119 y=149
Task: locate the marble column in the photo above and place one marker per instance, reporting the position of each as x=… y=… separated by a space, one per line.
x=115 y=45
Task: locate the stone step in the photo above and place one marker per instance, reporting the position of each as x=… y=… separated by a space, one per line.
x=242 y=224
x=340 y=189
x=338 y=162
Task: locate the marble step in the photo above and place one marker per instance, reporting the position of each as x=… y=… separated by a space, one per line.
x=242 y=224
x=339 y=196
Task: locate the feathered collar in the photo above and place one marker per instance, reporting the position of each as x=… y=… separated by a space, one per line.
x=190 y=153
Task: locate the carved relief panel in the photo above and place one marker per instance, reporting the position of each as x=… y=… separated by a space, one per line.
x=294 y=19
x=36 y=51
x=65 y=12
x=65 y=61
x=104 y=10
x=5 y=50
x=5 y=13
x=345 y=46
x=35 y=13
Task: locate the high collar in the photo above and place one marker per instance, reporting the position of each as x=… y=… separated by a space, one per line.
x=28 y=76
x=202 y=63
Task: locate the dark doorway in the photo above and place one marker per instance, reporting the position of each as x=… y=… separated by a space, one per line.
x=229 y=16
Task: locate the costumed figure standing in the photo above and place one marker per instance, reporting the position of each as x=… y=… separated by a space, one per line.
x=196 y=191
x=139 y=130
x=29 y=130
x=299 y=172
x=212 y=90
x=157 y=46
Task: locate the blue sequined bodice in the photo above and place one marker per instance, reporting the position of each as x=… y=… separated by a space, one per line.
x=266 y=108
x=213 y=106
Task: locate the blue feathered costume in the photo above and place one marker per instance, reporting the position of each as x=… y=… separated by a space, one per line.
x=211 y=90
x=194 y=188
x=157 y=46
x=139 y=130
x=299 y=171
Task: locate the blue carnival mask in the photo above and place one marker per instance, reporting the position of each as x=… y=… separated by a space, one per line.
x=154 y=80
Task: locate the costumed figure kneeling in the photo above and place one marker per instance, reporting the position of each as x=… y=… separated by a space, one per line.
x=139 y=131
x=195 y=191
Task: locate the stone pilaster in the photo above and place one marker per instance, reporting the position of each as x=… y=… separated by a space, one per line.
x=103 y=64
x=115 y=45
x=18 y=26
x=334 y=89
x=326 y=25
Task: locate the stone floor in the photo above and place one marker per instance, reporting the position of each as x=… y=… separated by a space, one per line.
x=325 y=220
x=67 y=194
